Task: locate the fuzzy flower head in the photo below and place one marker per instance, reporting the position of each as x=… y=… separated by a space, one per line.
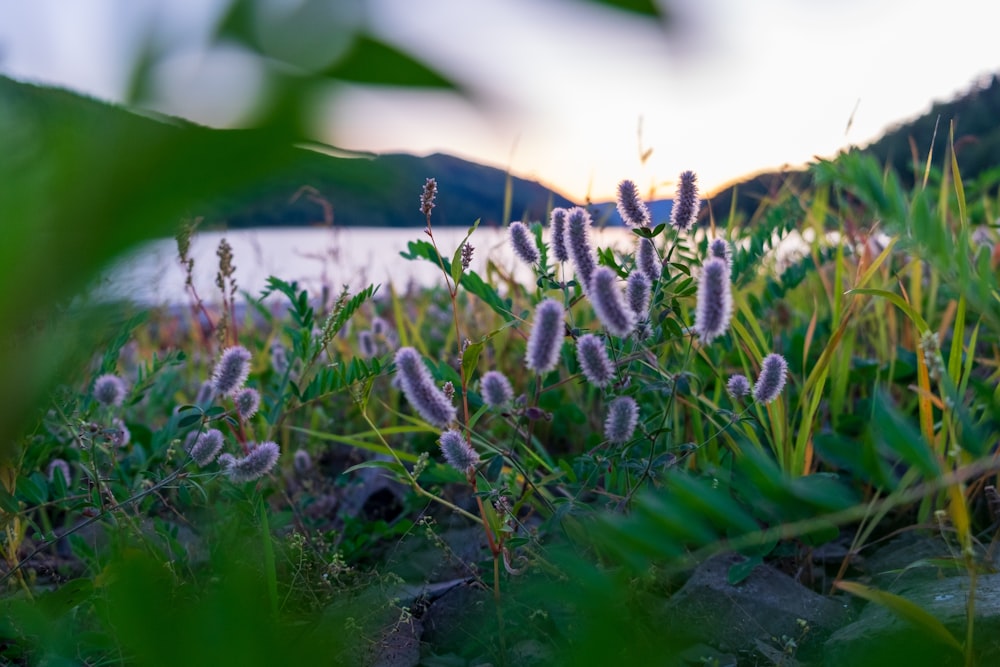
x=496 y=389
x=623 y=417
x=232 y=371
x=366 y=343
x=109 y=390
x=686 y=203
x=715 y=301
x=279 y=358
x=523 y=243
x=418 y=386
x=247 y=402
x=206 y=447
x=720 y=248
x=546 y=336
x=631 y=208
x=581 y=250
x=206 y=394
x=457 y=451
x=257 y=463
x=557 y=222
x=58 y=467
x=647 y=261
x=301 y=461
x=118 y=433
x=427 y=197
x=609 y=303
x=638 y=293
x=592 y=355
x=770 y=382
x=738 y=386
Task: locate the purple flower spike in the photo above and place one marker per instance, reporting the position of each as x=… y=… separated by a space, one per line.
x=558 y=240
x=638 y=293
x=647 y=261
x=738 y=386
x=609 y=303
x=715 y=301
x=254 y=465
x=457 y=451
x=623 y=417
x=496 y=389
x=592 y=354
x=686 y=202
x=546 y=336
x=631 y=207
x=206 y=447
x=232 y=371
x=523 y=243
x=770 y=382
x=109 y=390
x=418 y=386
x=581 y=250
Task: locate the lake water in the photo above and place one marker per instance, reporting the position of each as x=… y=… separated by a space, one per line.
x=319 y=258
x=315 y=257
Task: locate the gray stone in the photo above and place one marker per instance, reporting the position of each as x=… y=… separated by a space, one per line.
x=881 y=637
x=768 y=605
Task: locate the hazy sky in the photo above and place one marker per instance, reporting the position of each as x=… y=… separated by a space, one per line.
x=732 y=87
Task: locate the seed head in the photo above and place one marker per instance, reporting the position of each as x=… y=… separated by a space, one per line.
x=232 y=371
x=609 y=303
x=578 y=244
x=770 y=382
x=254 y=465
x=523 y=242
x=738 y=386
x=206 y=447
x=457 y=451
x=715 y=300
x=647 y=261
x=623 y=416
x=467 y=251
x=427 y=197
x=418 y=386
x=558 y=240
x=546 y=336
x=496 y=389
x=686 y=203
x=247 y=402
x=631 y=207
x=592 y=355
x=109 y=390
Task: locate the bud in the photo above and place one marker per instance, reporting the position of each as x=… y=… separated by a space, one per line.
x=427 y=197
x=109 y=390
x=715 y=300
x=418 y=386
x=771 y=380
x=231 y=371
x=523 y=242
x=457 y=451
x=686 y=203
x=720 y=248
x=609 y=304
x=592 y=355
x=630 y=207
x=546 y=336
x=623 y=416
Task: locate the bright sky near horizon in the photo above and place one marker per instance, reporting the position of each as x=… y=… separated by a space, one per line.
x=560 y=89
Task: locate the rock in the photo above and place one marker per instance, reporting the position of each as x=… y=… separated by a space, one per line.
x=768 y=605
x=880 y=637
x=911 y=559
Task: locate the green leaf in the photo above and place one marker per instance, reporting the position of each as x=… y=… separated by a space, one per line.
x=905 y=609
x=647 y=8
x=738 y=572
x=392 y=466
x=372 y=61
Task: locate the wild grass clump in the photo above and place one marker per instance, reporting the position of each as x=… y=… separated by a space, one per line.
x=623 y=415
